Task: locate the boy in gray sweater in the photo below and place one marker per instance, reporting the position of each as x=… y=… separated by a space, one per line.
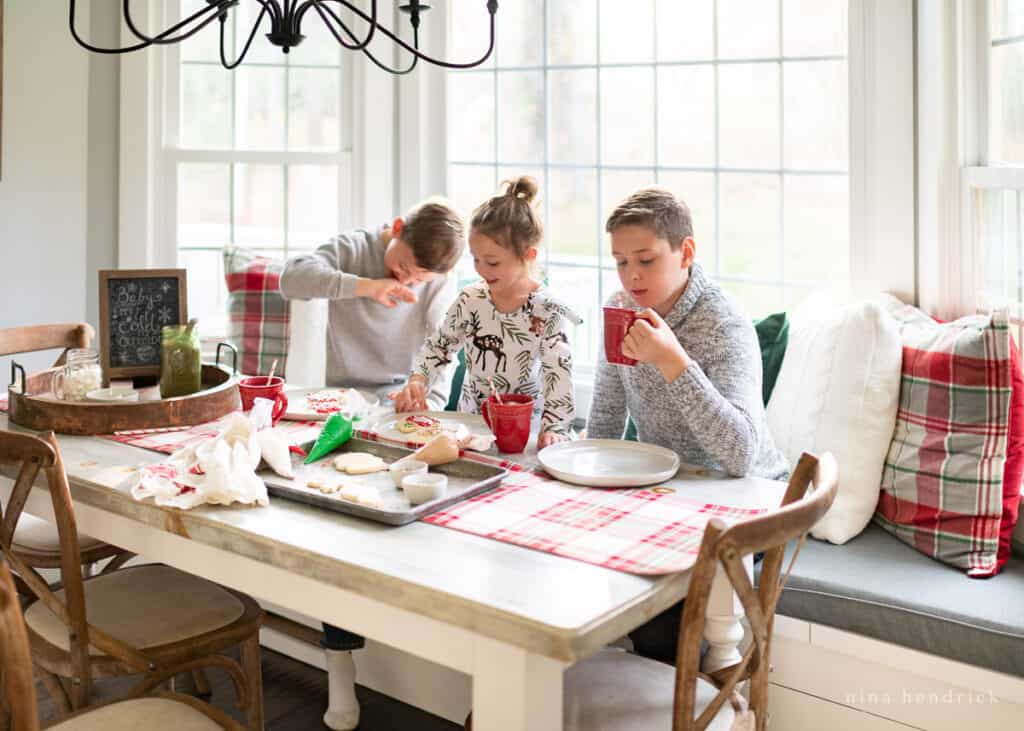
x=697 y=386
x=387 y=291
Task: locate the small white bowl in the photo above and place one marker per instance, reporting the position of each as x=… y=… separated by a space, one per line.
x=112 y=394
x=424 y=487
x=405 y=467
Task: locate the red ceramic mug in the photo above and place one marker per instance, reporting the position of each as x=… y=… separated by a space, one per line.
x=255 y=387
x=617 y=321
x=509 y=420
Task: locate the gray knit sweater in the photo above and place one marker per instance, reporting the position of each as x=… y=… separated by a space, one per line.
x=712 y=414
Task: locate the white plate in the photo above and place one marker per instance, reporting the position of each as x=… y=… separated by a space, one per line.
x=452 y=422
x=299 y=409
x=609 y=462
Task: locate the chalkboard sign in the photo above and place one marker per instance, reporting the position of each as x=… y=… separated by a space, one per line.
x=135 y=305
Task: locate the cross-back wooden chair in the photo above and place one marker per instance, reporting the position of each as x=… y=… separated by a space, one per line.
x=36 y=541
x=159 y=712
x=150 y=619
x=615 y=690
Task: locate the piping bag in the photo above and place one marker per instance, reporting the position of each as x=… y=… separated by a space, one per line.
x=337 y=430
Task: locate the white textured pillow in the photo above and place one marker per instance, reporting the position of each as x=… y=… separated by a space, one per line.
x=838 y=391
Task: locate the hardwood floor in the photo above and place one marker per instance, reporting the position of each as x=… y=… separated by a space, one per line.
x=294 y=698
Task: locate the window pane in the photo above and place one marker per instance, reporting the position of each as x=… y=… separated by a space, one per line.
x=627 y=31
x=573 y=228
x=470 y=31
x=520 y=42
x=1006 y=18
x=1006 y=125
x=320 y=47
x=521 y=116
x=696 y=18
x=749 y=121
x=204 y=45
x=572 y=31
x=697 y=190
x=205 y=106
x=627 y=116
x=206 y=287
x=259 y=205
x=817 y=245
x=573 y=99
x=469 y=186
x=259 y=107
x=312 y=205
x=997 y=225
x=814 y=27
x=313 y=118
x=260 y=50
x=755 y=300
x=815 y=115
x=203 y=205
x=686 y=116
x=748 y=28
x=749 y=220
x=471 y=116
x=617 y=185
x=578 y=288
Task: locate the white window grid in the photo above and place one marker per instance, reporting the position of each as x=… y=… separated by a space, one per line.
x=175 y=155
x=601 y=264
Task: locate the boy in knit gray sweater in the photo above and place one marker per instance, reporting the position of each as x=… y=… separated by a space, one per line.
x=697 y=386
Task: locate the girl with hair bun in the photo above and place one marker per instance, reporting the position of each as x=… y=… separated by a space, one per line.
x=513 y=330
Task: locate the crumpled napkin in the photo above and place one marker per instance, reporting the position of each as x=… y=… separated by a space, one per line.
x=218 y=471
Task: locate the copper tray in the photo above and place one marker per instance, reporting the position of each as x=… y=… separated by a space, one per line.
x=34 y=406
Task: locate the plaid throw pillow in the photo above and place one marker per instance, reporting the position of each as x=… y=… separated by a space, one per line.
x=943 y=478
x=257 y=313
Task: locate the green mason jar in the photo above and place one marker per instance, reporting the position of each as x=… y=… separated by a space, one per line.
x=180 y=369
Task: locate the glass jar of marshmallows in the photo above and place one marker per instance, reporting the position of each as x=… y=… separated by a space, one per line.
x=81 y=374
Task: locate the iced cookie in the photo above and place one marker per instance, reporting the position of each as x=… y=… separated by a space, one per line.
x=359 y=463
x=421 y=424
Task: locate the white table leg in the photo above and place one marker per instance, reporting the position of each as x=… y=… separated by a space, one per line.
x=723 y=628
x=514 y=690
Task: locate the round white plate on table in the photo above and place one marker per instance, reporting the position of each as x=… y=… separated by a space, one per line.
x=609 y=463
x=300 y=407
x=452 y=422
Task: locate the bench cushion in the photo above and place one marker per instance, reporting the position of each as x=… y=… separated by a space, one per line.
x=878 y=587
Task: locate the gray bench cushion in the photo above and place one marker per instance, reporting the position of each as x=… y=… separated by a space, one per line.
x=878 y=587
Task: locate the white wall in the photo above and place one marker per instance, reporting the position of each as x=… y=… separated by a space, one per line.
x=58 y=186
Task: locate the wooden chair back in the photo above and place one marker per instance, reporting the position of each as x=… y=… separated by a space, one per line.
x=19 y=687
x=45 y=337
x=726 y=547
x=35 y=454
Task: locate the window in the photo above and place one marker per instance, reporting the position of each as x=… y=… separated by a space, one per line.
x=743 y=116
x=257 y=156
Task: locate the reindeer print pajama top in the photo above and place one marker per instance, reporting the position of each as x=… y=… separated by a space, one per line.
x=526 y=351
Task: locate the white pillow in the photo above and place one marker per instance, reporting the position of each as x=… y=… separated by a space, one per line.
x=838 y=391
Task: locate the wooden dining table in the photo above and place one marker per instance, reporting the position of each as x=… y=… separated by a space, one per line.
x=511 y=618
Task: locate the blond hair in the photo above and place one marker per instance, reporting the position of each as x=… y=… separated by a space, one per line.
x=510 y=218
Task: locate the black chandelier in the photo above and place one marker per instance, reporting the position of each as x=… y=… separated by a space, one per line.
x=286 y=29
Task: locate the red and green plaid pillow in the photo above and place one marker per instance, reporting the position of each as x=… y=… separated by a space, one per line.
x=942 y=484
x=257 y=313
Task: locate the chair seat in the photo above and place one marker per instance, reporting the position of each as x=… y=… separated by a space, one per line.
x=35 y=534
x=618 y=691
x=144 y=606
x=148 y=713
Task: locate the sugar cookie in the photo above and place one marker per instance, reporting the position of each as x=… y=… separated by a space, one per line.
x=359 y=463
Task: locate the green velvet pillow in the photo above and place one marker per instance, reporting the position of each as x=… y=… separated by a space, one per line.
x=772 y=335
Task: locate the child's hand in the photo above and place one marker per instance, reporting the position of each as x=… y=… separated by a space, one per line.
x=547 y=438
x=413 y=397
x=651 y=340
x=387 y=292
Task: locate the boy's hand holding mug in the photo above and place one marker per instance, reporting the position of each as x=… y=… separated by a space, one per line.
x=413 y=397
x=651 y=340
x=388 y=292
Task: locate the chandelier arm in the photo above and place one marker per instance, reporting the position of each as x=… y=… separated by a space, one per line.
x=245 y=48
x=321 y=8
x=96 y=49
x=396 y=72
x=162 y=38
x=492 y=7
x=359 y=45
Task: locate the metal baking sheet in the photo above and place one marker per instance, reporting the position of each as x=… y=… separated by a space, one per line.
x=465 y=479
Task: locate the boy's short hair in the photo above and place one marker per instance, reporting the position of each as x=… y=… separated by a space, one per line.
x=656 y=209
x=436 y=234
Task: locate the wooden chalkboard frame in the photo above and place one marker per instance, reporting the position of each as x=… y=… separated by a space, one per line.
x=106 y=275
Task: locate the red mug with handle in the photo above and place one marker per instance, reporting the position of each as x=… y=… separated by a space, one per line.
x=509 y=420
x=256 y=387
